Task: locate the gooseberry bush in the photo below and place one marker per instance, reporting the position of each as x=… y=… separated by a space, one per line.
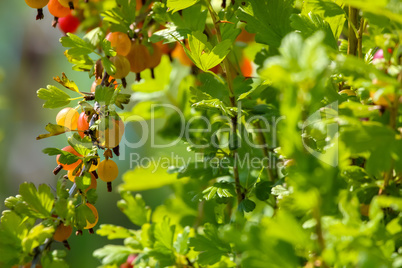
x=290 y=112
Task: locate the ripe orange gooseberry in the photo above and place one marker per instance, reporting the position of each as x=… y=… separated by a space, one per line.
x=246 y=67
x=62 y=232
x=120 y=42
x=82 y=124
x=138 y=58
x=122 y=66
x=73 y=165
x=68 y=117
x=245 y=36
x=57 y=10
x=154 y=58
x=108 y=170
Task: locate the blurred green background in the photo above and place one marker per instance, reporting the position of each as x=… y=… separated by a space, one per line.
x=30 y=56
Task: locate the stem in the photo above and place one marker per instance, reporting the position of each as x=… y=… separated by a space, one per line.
x=388 y=176
x=77 y=98
x=262 y=141
x=38 y=251
x=318 y=230
x=227 y=71
x=352 y=41
x=360 y=38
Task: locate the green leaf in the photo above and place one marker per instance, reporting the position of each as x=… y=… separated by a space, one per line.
x=269 y=19
x=40 y=201
x=12 y=229
x=141 y=179
x=108 y=65
x=263 y=190
x=83 y=146
x=308 y=25
x=54 y=130
x=112 y=254
x=202 y=53
x=65 y=209
x=107 y=48
x=181 y=243
x=246 y=205
x=104 y=95
x=330 y=11
x=121 y=99
x=82 y=63
x=66 y=158
x=164 y=233
x=53 y=96
x=219 y=190
x=84 y=181
x=114 y=232
x=83 y=215
x=211 y=247
x=77 y=44
x=36 y=236
x=170 y=35
x=134 y=208
x=95 y=36
x=280 y=191
x=176 y=5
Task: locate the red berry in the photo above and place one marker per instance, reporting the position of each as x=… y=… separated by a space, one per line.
x=69 y=24
x=82 y=124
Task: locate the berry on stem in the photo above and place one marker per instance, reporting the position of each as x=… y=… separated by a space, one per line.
x=73 y=165
x=39 y=5
x=69 y=24
x=62 y=232
x=154 y=58
x=69 y=3
x=138 y=58
x=108 y=172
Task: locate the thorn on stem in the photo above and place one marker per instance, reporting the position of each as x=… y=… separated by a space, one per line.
x=71 y=5
x=124 y=82
x=138 y=77
x=55 y=21
x=152 y=73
